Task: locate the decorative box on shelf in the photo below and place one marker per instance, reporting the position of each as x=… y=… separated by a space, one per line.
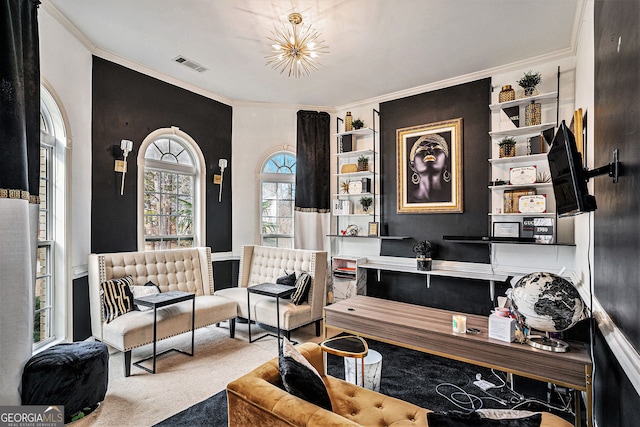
x=341 y=207
x=502 y=328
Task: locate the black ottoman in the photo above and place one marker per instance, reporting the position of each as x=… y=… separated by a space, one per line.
x=75 y=375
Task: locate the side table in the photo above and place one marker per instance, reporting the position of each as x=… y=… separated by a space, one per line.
x=347 y=346
x=162 y=300
x=272 y=290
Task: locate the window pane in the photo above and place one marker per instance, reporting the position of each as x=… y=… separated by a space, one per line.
x=169 y=183
x=285 y=226
x=150 y=181
x=151 y=225
x=151 y=203
x=185 y=184
x=169 y=150
x=285 y=242
x=270 y=241
x=184 y=158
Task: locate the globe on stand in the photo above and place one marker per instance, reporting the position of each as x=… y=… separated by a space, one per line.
x=549 y=303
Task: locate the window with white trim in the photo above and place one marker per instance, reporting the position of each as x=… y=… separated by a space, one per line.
x=170 y=176
x=277 y=198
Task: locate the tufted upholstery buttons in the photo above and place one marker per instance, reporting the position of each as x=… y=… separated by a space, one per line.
x=169 y=270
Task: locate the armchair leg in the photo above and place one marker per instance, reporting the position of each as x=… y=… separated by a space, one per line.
x=232 y=328
x=127 y=363
x=317 y=328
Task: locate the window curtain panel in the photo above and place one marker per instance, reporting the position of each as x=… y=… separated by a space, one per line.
x=19 y=187
x=312 y=215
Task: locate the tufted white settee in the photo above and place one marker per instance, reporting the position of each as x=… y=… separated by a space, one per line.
x=261 y=264
x=188 y=270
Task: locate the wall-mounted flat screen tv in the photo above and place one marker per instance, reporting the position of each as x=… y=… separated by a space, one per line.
x=568 y=176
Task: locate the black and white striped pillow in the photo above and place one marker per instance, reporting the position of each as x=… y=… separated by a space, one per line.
x=303 y=285
x=117 y=298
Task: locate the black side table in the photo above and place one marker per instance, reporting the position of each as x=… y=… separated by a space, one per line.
x=271 y=290
x=347 y=346
x=162 y=300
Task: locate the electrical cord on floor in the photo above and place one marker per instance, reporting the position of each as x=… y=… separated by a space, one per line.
x=566 y=409
x=459 y=403
x=473 y=403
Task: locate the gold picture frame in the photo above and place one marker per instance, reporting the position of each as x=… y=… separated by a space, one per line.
x=373 y=229
x=429 y=168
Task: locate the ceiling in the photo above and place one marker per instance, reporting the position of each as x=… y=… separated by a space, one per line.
x=376 y=47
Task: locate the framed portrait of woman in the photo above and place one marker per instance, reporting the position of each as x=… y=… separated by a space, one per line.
x=429 y=167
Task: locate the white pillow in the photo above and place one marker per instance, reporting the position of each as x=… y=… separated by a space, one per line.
x=143 y=291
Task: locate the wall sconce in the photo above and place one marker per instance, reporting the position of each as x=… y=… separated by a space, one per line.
x=217 y=179
x=121 y=165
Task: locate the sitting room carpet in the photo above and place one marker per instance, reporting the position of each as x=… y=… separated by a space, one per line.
x=144 y=399
x=406 y=374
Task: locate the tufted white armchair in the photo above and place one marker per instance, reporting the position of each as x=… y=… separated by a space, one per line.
x=262 y=264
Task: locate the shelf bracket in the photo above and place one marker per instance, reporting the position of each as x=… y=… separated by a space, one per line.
x=492 y=289
x=428 y=280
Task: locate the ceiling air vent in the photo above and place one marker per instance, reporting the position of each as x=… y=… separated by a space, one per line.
x=189 y=63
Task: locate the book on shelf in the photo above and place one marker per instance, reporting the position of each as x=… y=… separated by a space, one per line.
x=511 y=199
x=541 y=229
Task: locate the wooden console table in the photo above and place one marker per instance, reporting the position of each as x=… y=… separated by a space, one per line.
x=429 y=330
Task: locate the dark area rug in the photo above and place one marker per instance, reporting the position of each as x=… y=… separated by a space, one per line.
x=408 y=375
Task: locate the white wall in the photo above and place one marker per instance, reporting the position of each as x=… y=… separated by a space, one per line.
x=66 y=65
x=585 y=58
x=258 y=131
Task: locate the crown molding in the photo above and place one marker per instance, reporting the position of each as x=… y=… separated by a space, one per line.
x=68 y=25
x=284 y=106
x=110 y=56
x=466 y=78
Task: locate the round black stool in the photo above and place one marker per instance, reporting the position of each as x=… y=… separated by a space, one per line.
x=75 y=375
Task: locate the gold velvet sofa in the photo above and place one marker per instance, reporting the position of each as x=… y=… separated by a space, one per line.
x=258 y=399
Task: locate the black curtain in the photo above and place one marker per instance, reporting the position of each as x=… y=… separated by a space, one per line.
x=19 y=97
x=312 y=162
x=19 y=183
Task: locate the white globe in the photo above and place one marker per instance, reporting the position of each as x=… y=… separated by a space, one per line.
x=547 y=302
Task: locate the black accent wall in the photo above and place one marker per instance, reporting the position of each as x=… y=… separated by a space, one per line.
x=130 y=105
x=469 y=101
x=617 y=225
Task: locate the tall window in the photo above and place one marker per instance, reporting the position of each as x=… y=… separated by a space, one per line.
x=277 y=197
x=43 y=310
x=171 y=197
x=51 y=273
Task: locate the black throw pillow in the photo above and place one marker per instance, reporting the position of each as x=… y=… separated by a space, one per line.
x=300 y=378
x=448 y=420
x=303 y=286
x=289 y=279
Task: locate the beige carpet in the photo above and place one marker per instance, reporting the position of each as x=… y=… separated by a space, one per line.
x=144 y=399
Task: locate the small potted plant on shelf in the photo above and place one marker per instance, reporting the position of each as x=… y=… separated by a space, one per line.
x=366 y=203
x=423 y=254
x=358 y=124
x=507 y=146
x=363 y=163
x=529 y=82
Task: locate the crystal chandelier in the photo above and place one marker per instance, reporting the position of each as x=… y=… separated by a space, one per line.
x=295 y=49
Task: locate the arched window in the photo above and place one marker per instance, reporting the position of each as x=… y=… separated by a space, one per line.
x=277 y=197
x=172 y=191
x=50 y=291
